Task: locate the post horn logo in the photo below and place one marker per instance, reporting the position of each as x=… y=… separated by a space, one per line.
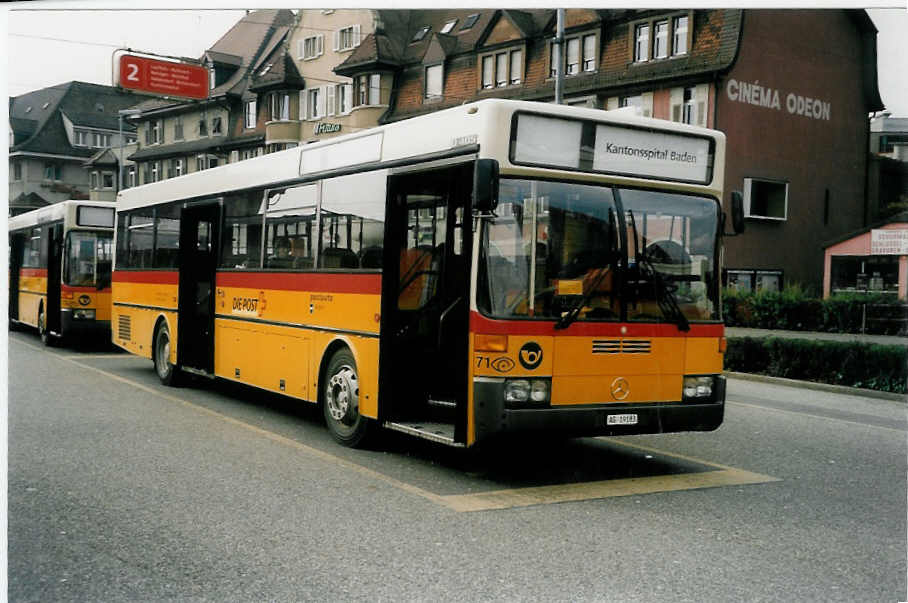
x=530 y=355
x=84 y=300
x=620 y=389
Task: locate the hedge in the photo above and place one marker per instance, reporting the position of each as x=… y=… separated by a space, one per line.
x=794 y=310
x=870 y=366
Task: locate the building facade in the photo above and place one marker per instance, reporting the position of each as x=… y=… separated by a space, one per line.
x=53 y=132
x=793 y=105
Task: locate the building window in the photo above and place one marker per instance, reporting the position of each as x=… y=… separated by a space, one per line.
x=312 y=47
x=449 y=26
x=17 y=170
x=660 y=40
x=343 y=98
x=579 y=55
x=368 y=89
x=346 y=38
x=765 y=199
x=687 y=111
x=203 y=127
x=469 y=22
x=250 y=114
x=155 y=171
x=212 y=77
x=53 y=171
x=93 y=181
x=679 y=35
x=107 y=180
x=216 y=126
x=157 y=131
x=670 y=37
x=313 y=100
x=80 y=138
x=434 y=81
x=100 y=141
x=178 y=127
x=131 y=176
x=641 y=42
x=280 y=106
x=503 y=68
x=419 y=35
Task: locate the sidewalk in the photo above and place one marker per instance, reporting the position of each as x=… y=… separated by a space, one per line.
x=878 y=339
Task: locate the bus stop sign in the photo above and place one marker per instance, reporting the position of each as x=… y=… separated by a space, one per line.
x=164 y=78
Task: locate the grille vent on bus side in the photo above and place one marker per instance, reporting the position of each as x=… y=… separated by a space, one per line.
x=125 y=328
x=620 y=346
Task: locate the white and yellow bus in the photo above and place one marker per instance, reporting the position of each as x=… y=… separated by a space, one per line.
x=498 y=267
x=60 y=264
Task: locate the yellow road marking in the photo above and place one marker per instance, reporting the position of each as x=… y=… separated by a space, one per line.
x=498 y=499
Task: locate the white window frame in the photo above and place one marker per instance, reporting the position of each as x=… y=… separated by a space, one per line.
x=155 y=171
x=157 y=131
x=448 y=26
x=512 y=80
x=80 y=138
x=660 y=39
x=572 y=56
x=178 y=166
x=131 y=176
x=178 y=133
x=748 y=198
x=343 y=97
x=497 y=68
x=676 y=20
x=313 y=101
x=352 y=33
x=311 y=47
x=280 y=106
x=105 y=176
x=641 y=42
x=434 y=89
x=250 y=112
x=93 y=181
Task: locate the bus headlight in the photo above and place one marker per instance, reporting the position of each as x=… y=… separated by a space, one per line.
x=698 y=388
x=518 y=391
x=83 y=314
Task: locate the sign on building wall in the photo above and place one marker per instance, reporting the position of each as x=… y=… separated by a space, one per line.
x=888 y=242
x=754 y=93
x=165 y=78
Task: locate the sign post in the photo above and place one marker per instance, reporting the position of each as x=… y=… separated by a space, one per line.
x=162 y=78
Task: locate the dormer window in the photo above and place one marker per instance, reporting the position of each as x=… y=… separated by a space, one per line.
x=434 y=81
x=469 y=22
x=266 y=69
x=659 y=38
x=581 y=54
x=419 y=35
x=449 y=26
x=501 y=68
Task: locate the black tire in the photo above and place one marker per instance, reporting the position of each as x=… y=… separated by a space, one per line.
x=46 y=338
x=340 y=401
x=160 y=354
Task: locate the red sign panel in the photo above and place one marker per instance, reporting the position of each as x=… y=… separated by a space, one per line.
x=163 y=77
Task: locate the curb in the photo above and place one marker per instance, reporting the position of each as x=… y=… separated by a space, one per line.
x=824 y=387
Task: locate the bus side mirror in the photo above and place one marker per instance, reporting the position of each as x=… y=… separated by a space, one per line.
x=737 y=212
x=485 y=186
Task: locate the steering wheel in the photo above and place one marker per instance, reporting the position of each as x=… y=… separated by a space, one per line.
x=667 y=252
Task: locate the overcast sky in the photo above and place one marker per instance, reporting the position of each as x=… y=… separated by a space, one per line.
x=49 y=47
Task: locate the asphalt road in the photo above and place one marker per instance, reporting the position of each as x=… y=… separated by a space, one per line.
x=123 y=490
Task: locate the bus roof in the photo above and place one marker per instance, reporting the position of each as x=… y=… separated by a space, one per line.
x=483 y=128
x=64 y=210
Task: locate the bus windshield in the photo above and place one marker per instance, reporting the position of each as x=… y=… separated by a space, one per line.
x=88 y=259
x=565 y=251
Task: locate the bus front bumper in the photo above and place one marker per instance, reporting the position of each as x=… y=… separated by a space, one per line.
x=82 y=327
x=492 y=417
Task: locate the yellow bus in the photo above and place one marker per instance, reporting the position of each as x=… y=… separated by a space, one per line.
x=59 y=269
x=502 y=266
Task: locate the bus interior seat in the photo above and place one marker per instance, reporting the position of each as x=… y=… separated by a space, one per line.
x=337 y=257
x=371 y=257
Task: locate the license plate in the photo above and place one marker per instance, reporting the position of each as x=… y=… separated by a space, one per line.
x=629 y=419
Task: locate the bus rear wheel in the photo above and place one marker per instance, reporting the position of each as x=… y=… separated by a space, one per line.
x=167 y=373
x=340 y=401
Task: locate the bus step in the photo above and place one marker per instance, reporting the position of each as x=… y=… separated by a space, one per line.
x=442 y=433
x=442 y=403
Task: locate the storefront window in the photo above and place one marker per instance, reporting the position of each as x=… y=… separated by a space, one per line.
x=875 y=273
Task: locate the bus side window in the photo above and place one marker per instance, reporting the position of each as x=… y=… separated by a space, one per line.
x=241 y=241
x=167 y=246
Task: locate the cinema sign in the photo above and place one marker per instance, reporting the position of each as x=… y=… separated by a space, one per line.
x=753 y=93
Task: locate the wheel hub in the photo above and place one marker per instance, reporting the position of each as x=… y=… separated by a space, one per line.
x=342 y=396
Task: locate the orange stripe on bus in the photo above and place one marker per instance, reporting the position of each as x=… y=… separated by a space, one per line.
x=33 y=272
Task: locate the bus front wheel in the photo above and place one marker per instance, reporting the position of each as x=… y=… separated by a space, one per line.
x=340 y=401
x=46 y=338
x=167 y=373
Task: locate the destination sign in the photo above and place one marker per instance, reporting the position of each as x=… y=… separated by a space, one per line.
x=166 y=78
x=613 y=149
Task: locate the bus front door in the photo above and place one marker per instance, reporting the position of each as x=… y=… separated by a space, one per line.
x=53 y=235
x=199 y=244
x=16 y=249
x=425 y=311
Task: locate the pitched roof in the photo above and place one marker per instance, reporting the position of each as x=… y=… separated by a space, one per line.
x=276 y=69
x=84 y=104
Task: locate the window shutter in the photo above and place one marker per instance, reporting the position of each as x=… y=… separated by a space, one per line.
x=320 y=43
x=357 y=32
x=304 y=94
x=321 y=102
x=336 y=40
x=301 y=50
x=702 y=96
x=329 y=99
x=647 y=104
x=348 y=98
x=676 y=101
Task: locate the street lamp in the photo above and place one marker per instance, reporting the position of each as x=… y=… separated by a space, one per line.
x=120 y=115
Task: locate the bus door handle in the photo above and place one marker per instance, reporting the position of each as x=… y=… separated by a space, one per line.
x=443 y=317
